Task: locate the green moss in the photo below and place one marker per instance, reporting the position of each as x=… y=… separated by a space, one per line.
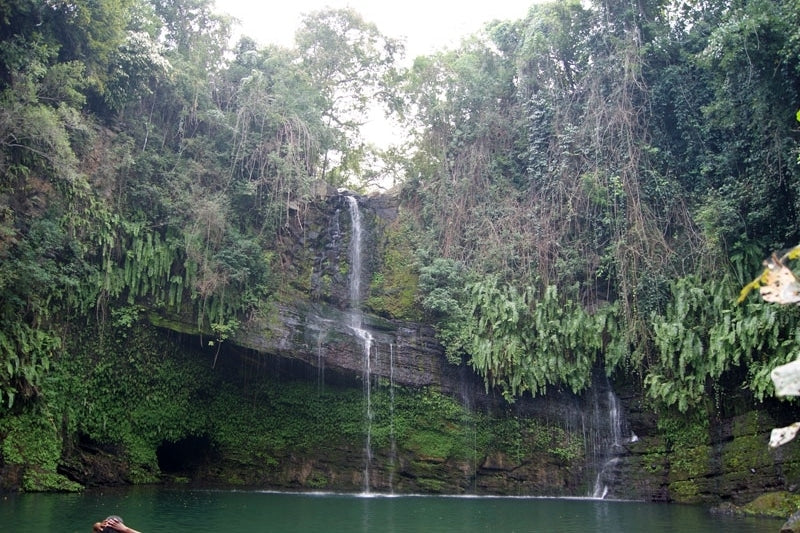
x=684 y=491
x=325 y=284
x=681 y=430
x=746 y=452
x=393 y=289
x=435 y=486
x=316 y=480
x=537 y=436
x=570 y=452
x=791 y=461
x=32 y=441
x=35 y=480
x=172 y=324
x=144 y=475
x=430 y=445
x=654 y=463
x=690 y=462
x=752 y=423
x=776 y=504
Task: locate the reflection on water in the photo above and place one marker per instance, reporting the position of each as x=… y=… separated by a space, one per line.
x=155 y=509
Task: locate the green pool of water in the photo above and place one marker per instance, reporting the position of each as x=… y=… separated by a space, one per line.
x=157 y=509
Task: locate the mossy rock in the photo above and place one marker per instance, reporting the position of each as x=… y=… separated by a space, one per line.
x=37 y=480
x=745 y=453
x=435 y=486
x=317 y=480
x=432 y=445
x=32 y=444
x=775 y=504
x=752 y=423
x=685 y=491
x=692 y=462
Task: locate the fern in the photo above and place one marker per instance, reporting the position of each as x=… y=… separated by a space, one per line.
x=522 y=344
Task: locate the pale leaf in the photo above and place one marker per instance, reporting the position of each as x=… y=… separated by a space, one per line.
x=778 y=283
x=786 y=379
x=781 y=436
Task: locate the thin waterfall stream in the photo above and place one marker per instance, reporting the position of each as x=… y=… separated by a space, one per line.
x=393 y=443
x=356 y=324
x=612 y=444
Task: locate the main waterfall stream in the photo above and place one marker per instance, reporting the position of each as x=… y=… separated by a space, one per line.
x=356 y=323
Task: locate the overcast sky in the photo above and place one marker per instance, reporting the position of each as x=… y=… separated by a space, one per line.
x=426 y=25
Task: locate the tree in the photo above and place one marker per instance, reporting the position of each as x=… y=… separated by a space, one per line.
x=278 y=133
x=352 y=65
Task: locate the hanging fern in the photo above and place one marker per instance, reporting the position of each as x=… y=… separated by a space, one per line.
x=703 y=334
x=519 y=342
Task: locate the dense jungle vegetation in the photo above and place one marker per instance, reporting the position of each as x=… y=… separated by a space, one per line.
x=591 y=185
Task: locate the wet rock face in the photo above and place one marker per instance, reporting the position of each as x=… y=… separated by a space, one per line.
x=729 y=462
x=318 y=330
x=91 y=465
x=321 y=337
x=325 y=331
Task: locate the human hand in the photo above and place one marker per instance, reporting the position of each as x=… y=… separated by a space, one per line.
x=115 y=524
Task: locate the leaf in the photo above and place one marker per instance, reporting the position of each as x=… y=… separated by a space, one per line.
x=779 y=284
x=786 y=379
x=781 y=436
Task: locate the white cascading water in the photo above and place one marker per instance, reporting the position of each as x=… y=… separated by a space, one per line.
x=320 y=365
x=356 y=324
x=393 y=451
x=613 y=445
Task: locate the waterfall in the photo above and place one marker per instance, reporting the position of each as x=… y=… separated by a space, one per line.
x=356 y=323
x=366 y=339
x=320 y=365
x=393 y=450
x=610 y=442
x=355 y=256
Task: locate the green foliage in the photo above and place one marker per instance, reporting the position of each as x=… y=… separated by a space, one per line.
x=522 y=343
x=284 y=417
x=775 y=504
x=518 y=438
x=32 y=441
x=393 y=290
x=26 y=354
x=685 y=491
x=352 y=66
x=442 y=284
x=128 y=387
x=680 y=431
x=704 y=335
x=433 y=426
x=686 y=99
x=122 y=386
x=616 y=152
x=516 y=341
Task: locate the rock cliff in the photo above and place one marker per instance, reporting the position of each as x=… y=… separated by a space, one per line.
x=624 y=452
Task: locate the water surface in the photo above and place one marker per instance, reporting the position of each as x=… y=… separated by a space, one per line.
x=157 y=509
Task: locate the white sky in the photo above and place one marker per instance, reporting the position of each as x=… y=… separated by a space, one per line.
x=426 y=25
